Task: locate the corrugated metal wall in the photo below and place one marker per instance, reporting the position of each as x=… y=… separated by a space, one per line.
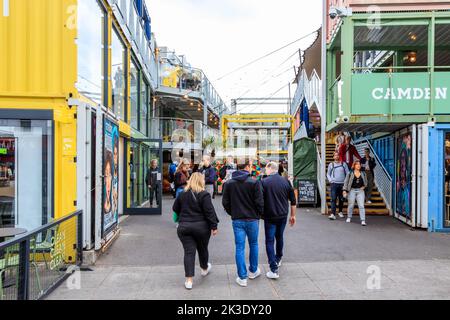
x=37 y=49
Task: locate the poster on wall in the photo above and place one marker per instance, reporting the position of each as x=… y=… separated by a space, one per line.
x=110 y=202
x=404 y=172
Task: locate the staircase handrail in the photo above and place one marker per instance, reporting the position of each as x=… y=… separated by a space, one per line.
x=322 y=190
x=382 y=179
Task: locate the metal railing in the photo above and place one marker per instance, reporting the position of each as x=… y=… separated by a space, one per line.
x=33 y=264
x=321 y=187
x=382 y=179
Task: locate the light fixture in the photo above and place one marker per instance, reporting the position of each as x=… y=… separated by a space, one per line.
x=412 y=36
x=410 y=57
x=186 y=96
x=191 y=104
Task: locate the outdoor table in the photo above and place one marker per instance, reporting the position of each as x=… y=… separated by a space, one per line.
x=7 y=233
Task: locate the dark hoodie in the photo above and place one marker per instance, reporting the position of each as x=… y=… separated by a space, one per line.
x=243 y=197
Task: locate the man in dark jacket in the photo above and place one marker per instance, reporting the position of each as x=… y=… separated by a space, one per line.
x=368 y=165
x=243 y=201
x=278 y=192
x=210 y=174
x=151 y=179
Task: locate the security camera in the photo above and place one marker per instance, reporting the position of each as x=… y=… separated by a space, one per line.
x=333 y=13
x=345 y=119
x=339 y=12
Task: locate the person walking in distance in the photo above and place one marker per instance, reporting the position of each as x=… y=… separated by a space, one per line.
x=197 y=222
x=336 y=173
x=210 y=174
x=368 y=165
x=181 y=176
x=243 y=201
x=339 y=140
x=348 y=152
x=151 y=179
x=354 y=185
x=278 y=193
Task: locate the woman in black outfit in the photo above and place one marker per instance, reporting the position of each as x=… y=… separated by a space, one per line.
x=197 y=221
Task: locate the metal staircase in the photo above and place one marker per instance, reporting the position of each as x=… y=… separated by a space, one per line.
x=378 y=206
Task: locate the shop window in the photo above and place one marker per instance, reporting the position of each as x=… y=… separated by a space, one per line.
x=118 y=57
x=134 y=94
x=26 y=171
x=143 y=106
x=447 y=180
x=442 y=43
x=91 y=18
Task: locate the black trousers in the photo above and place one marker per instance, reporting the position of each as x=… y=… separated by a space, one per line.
x=154 y=193
x=195 y=237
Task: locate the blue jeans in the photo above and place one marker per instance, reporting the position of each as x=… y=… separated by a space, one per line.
x=179 y=191
x=336 y=194
x=274 y=232
x=243 y=229
x=357 y=195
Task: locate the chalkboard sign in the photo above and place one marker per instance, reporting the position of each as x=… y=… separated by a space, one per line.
x=307 y=192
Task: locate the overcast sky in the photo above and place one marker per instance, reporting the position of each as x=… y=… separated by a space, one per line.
x=219 y=36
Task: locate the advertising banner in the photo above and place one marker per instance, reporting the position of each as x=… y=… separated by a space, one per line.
x=110 y=202
x=404 y=175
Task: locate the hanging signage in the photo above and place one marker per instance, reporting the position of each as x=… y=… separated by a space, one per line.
x=400 y=93
x=110 y=199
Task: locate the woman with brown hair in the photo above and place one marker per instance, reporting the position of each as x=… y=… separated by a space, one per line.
x=181 y=176
x=197 y=221
x=354 y=185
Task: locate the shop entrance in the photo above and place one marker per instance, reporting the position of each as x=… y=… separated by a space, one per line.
x=144 y=172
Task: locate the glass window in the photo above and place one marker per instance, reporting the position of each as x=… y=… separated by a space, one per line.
x=118 y=56
x=134 y=92
x=25 y=185
x=447 y=180
x=91 y=19
x=442 y=43
x=144 y=101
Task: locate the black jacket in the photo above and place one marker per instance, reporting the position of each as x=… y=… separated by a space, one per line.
x=210 y=174
x=196 y=207
x=278 y=192
x=151 y=179
x=243 y=197
x=372 y=163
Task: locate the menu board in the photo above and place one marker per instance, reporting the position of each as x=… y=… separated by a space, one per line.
x=307 y=192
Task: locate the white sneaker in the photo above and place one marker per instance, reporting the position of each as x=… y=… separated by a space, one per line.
x=368 y=201
x=279 y=263
x=188 y=285
x=254 y=275
x=206 y=272
x=348 y=220
x=341 y=215
x=272 y=275
x=332 y=217
x=241 y=282
x=363 y=223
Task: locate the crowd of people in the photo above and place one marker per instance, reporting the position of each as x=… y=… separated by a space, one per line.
x=246 y=199
x=351 y=177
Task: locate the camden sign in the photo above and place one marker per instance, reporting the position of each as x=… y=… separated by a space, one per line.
x=400 y=93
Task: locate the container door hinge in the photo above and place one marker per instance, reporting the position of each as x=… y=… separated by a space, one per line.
x=75 y=203
x=75 y=159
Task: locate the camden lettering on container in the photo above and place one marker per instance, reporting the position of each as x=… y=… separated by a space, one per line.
x=409 y=93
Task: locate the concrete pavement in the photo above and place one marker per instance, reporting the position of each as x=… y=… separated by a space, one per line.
x=323 y=260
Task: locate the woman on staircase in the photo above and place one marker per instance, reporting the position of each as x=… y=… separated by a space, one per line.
x=354 y=185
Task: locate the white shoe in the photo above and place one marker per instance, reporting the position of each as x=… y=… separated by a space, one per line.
x=279 y=264
x=241 y=282
x=341 y=215
x=363 y=223
x=272 y=275
x=332 y=217
x=188 y=285
x=348 y=220
x=206 y=272
x=254 y=275
x=368 y=201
